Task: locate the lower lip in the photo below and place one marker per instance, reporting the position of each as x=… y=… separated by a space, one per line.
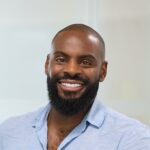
x=70 y=89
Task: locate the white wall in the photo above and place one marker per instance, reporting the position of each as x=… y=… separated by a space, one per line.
x=26 y=30
x=125 y=26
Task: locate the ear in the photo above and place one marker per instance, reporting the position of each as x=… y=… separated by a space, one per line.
x=47 y=64
x=103 y=71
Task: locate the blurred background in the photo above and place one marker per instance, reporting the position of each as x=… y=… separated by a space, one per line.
x=26 y=30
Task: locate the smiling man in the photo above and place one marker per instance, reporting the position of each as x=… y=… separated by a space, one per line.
x=74 y=119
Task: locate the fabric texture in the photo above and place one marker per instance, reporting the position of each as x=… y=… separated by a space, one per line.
x=101 y=129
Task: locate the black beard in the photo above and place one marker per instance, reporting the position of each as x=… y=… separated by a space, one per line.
x=70 y=107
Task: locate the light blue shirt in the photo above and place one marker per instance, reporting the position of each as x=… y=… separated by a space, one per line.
x=101 y=129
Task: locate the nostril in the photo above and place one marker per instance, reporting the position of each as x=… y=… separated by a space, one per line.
x=71 y=73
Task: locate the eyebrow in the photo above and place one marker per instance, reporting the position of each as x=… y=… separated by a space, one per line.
x=59 y=52
x=82 y=56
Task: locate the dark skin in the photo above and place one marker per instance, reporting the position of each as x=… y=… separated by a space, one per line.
x=74 y=53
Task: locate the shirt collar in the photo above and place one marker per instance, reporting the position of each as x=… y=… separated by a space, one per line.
x=96 y=114
x=41 y=117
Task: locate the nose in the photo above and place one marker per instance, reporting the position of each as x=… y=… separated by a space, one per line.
x=72 y=68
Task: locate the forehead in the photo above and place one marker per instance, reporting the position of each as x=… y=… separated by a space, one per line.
x=77 y=42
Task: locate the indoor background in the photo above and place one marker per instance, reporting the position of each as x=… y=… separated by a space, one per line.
x=26 y=30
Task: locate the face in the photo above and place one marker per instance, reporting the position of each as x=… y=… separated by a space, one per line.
x=74 y=68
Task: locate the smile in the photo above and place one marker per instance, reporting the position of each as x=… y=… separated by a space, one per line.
x=71 y=85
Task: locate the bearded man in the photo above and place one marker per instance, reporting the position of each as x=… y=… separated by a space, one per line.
x=74 y=119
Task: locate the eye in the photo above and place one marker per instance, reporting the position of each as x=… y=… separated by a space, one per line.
x=60 y=59
x=86 y=62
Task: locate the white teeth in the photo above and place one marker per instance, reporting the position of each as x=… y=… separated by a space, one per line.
x=71 y=85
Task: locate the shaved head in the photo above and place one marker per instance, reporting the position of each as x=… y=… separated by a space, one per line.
x=86 y=31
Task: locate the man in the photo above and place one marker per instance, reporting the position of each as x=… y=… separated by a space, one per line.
x=74 y=119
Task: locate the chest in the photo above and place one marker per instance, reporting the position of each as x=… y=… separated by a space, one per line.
x=55 y=139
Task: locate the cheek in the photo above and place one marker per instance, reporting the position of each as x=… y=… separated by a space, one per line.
x=93 y=75
x=54 y=70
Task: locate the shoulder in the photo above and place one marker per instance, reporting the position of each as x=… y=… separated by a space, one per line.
x=20 y=132
x=133 y=134
x=122 y=121
x=19 y=123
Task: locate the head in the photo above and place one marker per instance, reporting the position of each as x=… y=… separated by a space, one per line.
x=74 y=68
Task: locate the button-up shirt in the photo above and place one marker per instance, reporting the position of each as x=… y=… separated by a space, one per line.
x=101 y=129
